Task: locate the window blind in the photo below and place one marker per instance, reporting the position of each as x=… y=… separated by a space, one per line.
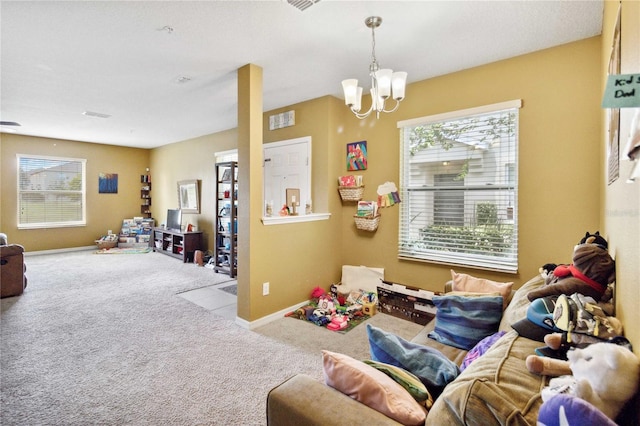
x=459 y=188
x=51 y=192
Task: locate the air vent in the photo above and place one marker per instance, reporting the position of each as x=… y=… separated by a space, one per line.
x=302 y=4
x=95 y=114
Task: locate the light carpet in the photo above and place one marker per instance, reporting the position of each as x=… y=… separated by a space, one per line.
x=105 y=340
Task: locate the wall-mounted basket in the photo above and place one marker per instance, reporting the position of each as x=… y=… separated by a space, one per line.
x=351 y=193
x=367 y=223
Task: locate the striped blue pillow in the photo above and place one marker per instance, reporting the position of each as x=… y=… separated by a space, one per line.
x=462 y=321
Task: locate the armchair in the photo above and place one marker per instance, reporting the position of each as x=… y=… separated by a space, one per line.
x=12 y=269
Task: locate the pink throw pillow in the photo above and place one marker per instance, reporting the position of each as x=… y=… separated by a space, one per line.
x=464 y=282
x=372 y=388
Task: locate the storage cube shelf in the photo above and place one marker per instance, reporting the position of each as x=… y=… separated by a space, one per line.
x=181 y=245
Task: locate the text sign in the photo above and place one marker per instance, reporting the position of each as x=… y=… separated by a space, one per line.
x=622 y=91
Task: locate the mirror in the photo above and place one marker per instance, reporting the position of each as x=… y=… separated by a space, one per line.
x=188 y=196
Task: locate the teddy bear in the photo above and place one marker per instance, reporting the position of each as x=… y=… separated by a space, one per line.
x=590 y=274
x=603 y=374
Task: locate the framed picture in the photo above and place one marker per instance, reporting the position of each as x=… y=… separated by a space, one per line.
x=293 y=196
x=108 y=183
x=613 y=146
x=357 y=156
x=189 y=196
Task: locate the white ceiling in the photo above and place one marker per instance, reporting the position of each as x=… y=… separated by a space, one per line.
x=61 y=58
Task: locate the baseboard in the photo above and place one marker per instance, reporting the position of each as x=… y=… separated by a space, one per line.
x=250 y=325
x=63 y=250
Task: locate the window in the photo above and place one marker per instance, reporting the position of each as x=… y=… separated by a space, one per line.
x=459 y=188
x=51 y=192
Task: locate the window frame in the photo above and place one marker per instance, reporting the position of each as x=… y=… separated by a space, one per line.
x=82 y=192
x=407 y=250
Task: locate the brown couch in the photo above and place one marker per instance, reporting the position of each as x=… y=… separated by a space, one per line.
x=12 y=269
x=496 y=389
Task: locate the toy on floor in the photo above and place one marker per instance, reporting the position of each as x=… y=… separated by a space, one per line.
x=603 y=374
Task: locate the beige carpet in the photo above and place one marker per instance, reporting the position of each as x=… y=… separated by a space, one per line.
x=105 y=340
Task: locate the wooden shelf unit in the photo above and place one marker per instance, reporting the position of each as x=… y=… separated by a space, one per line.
x=145 y=196
x=181 y=245
x=226 y=241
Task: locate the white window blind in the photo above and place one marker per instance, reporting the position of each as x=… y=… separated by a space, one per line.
x=459 y=188
x=51 y=192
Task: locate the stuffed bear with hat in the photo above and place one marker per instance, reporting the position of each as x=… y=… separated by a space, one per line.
x=590 y=273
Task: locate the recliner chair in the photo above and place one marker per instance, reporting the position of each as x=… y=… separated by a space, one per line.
x=13 y=280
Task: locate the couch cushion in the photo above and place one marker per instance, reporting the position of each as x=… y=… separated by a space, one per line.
x=519 y=304
x=462 y=321
x=495 y=389
x=371 y=387
x=433 y=368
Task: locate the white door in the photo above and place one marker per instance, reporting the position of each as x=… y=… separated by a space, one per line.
x=287 y=164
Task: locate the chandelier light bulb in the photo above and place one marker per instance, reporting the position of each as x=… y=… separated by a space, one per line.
x=385 y=83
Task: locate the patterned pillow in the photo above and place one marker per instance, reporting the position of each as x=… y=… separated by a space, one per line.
x=432 y=368
x=479 y=349
x=407 y=380
x=462 y=321
x=371 y=387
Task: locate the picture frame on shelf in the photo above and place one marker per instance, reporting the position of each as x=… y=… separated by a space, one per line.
x=189 y=196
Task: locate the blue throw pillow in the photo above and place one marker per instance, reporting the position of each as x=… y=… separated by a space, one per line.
x=431 y=366
x=462 y=321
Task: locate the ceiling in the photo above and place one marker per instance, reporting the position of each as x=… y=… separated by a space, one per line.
x=165 y=71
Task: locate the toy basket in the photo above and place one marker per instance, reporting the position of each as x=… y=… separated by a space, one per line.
x=367 y=223
x=102 y=244
x=351 y=193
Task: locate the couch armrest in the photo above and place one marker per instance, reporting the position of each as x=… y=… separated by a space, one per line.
x=11 y=250
x=301 y=400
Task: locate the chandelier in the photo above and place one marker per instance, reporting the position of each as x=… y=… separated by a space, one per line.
x=384 y=82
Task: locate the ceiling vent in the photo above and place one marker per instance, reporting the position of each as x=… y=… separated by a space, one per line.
x=302 y=4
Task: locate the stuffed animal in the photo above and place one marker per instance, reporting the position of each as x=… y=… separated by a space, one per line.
x=602 y=374
x=596 y=239
x=590 y=274
x=547 y=268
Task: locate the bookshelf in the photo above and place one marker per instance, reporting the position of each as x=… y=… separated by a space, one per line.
x=181 y=245
x=226 y=242
x=145 y=196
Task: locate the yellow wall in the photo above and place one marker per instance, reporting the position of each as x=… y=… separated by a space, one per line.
x=191 y=159
x=621 y=200
x=559 y=157
x=104 y=211
x=561 y=174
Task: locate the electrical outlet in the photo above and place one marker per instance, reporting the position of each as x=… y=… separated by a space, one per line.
x=109 y=232
x=265 y=289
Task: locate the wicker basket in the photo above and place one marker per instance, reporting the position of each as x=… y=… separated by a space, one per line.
x=102 y=245
x=369 y=223
x=351 y=193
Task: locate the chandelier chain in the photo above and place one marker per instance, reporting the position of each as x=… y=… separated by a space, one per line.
x=374 y=62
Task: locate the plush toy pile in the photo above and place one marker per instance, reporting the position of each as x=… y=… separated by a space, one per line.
x=590 y=274
x=335 y=311
x=595 y=373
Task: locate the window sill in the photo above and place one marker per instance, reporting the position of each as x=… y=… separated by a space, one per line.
x=282 y=220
